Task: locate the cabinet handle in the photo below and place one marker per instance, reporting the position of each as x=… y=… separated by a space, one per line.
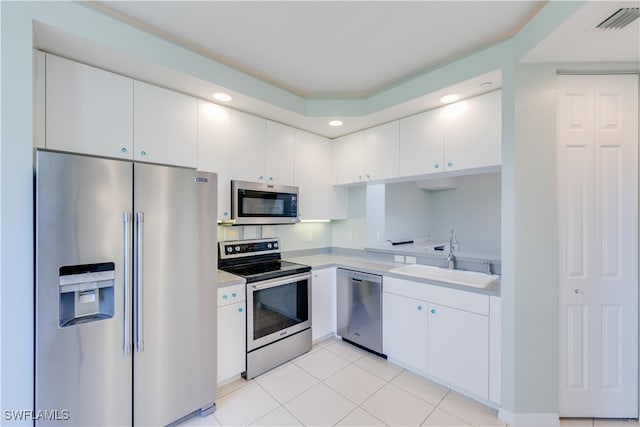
x=450 y=164
x=225 y=213
x=270 y=178
x=143 y=153
x=433 y=311
x=240 y=309
x=579 y=291
x=261 y=177
x=123 y=149
x=360 y=177
x=234 y=295
x=419 y=307
x=436 y=166
x=368 y=176
x=224 y=297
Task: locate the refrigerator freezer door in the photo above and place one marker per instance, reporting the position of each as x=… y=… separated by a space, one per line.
x=82 y=370
x=175 y=336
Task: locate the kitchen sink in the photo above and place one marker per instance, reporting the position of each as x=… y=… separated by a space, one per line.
x=457 y=277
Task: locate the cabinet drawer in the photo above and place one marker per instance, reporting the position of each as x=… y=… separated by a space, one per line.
x=231 y=295
x=463 y=300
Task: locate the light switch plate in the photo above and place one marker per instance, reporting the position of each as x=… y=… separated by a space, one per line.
x=411 y=260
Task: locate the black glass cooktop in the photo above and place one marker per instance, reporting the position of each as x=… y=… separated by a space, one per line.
x=264 y=270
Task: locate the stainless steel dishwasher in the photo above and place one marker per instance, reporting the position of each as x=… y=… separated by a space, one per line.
x=359 y=298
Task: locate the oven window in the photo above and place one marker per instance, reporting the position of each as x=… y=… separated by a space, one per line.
x=280 y=307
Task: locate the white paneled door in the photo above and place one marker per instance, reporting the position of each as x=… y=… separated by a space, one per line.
x=598 y=245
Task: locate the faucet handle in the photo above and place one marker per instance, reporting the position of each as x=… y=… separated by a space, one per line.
x=487 y=267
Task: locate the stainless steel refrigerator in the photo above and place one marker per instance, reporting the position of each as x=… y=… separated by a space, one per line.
x=125 y=292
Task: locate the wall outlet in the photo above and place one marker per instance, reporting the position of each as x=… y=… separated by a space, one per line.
x=309 y=237
x=398 y=258
x=349 y=236
x=411 y=260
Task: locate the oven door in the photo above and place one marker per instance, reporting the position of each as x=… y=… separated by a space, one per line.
x=277 y=308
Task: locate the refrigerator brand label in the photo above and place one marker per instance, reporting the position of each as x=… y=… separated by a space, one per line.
x=199 y=179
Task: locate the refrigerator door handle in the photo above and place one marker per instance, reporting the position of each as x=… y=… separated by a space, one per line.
x=126 y=340
x=139 y=341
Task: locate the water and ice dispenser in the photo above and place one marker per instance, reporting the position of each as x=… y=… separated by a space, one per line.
x=86 y=293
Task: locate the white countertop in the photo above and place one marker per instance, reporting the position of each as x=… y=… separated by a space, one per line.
x=356 y=263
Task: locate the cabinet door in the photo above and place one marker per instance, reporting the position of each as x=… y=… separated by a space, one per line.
x=247 y=138
x=165 y=126
x=348 y=159
x=232 y=334
x=404 y=330
x=473 y=133
x=319 y=199
x=214 y=150
x=323 y=303
x=421 y=143
x=88 y=110
x=458 y=349
x=279 y=154
x=381 y=151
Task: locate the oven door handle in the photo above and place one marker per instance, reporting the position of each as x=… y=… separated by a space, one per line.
x=280 y=281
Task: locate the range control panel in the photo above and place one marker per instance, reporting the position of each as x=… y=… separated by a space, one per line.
x=239 y=248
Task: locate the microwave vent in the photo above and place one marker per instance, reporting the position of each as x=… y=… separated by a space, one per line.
x=620 y=19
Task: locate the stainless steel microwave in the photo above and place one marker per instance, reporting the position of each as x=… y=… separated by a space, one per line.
x=259 y=203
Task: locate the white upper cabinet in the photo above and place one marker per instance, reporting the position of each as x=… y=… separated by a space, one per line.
x=464 y=135
x=348 y=159
x=214 y=150
x=165 y=126
x=381 y=145
x=279 y=154
x=319 y=199
x=88 y=110
x=369 y=155
x=422 y=143
x=473 y=132
x=248 y=148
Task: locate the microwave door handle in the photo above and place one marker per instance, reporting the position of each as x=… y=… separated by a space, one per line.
x=281 y=281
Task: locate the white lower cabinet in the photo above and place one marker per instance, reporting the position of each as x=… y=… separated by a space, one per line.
x=458 y=350
x=323 y=303
x=441 y=332
x=232 y=332
x=404 y=330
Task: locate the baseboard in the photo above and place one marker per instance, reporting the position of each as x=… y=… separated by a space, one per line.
x=528 y=420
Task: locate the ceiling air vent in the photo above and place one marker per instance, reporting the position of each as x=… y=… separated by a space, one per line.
x=620 y=19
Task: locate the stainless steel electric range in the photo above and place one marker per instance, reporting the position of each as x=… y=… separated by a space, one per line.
x=278 y=302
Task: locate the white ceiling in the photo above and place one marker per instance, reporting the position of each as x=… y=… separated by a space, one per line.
x=329 y=49
x=339 y=50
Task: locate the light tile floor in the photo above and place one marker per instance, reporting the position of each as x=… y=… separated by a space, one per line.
x=339 y=384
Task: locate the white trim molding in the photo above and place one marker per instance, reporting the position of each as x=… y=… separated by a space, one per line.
x=528 y=420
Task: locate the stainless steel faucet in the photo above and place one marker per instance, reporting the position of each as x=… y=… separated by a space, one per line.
x=451 y=259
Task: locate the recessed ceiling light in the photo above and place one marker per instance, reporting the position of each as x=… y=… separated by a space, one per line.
x=224 y=97
x=447 y=99
x=335 y=123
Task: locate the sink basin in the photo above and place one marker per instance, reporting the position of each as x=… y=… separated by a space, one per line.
x=457 y=277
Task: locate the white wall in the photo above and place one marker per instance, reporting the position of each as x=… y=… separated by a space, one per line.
x=293 y=237
x=355 y=225
x=407 y=210
x=530 y=237
x=472 y=208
